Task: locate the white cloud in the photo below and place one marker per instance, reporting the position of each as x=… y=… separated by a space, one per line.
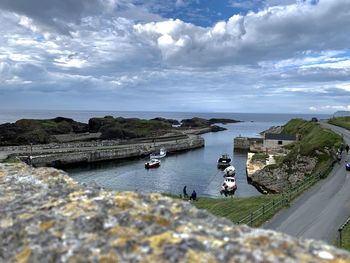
x=276 y=32
x=273 y=58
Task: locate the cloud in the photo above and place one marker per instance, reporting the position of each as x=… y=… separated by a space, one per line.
x=277 y=32
x=281 y=58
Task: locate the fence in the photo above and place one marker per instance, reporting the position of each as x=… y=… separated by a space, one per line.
x=343 y=240
x=268 y=210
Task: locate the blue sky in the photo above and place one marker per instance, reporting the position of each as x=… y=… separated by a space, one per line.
x=288 y=56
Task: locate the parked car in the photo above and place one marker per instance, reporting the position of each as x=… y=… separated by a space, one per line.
x=347 y=166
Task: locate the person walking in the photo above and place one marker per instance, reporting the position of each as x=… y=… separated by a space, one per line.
x=347 y=148
x=185 y=191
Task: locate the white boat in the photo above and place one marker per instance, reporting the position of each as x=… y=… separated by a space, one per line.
x=230 y=171
x=224 y=161
x=153 y=163
x=229 y=186
x=157 y=155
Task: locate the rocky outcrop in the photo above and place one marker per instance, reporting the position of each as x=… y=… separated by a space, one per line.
x=46 y=216
x=278 y=179
x=272 y=129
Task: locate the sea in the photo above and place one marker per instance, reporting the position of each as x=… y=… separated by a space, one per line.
x=197 y=169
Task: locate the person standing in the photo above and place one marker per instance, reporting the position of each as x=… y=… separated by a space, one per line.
x=185 y=191
x=347 y=148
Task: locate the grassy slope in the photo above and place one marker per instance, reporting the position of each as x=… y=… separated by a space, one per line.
x=313 y=139
x=234 y=209
x=341 y=122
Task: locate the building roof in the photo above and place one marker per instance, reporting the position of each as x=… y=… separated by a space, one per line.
x=280 y=137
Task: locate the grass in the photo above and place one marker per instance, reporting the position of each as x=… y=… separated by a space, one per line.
x=260 y=157
x=341 y=122
x=235 y=209
x=11 y=160
x=345 y=238
x=312 y=137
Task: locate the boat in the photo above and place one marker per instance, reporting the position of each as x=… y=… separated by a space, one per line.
x=153 y=163
x=230 y=171
x=160 y=154
x=224 y=161
x=229 y=186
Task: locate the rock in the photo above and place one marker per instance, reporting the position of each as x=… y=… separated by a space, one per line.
x=278 y=179
x=222 y=121
x=53 y=218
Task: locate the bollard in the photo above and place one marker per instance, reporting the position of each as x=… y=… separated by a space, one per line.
x=273 y=204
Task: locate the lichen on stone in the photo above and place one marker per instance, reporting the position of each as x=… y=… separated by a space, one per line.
x=46 y=216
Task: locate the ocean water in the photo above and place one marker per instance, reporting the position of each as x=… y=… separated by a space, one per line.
x=197 y=168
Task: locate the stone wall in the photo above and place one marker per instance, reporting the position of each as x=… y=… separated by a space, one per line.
x=48 y=217
x=245 y=143
x=76 y=155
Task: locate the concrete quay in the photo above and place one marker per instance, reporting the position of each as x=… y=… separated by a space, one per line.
x=60 y=156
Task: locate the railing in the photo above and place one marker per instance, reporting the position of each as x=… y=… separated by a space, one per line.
x=341 y=238
x=268 y=210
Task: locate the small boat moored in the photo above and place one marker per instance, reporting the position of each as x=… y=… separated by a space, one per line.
x=153 y=163
x=229 y=186
x=160 y=154
x=230 y=171
x=224 y=161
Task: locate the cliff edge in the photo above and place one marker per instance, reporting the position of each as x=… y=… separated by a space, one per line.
x=46 y=216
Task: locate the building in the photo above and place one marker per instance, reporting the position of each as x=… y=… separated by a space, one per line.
x=277 y=140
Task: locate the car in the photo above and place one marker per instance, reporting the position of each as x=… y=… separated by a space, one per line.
x=347 y=166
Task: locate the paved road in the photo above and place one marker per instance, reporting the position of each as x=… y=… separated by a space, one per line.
x=319 y=211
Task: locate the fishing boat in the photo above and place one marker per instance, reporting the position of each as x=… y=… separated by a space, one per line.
x=160 y=154
x=224 y=161
x=153 y=163
x=229 y=186
x=230 y=171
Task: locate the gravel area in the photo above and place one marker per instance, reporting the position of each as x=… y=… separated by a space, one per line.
x=48 y=217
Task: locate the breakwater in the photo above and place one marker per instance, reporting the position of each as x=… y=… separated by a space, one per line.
x=64 y=154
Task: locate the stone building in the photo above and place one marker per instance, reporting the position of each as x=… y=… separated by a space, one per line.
x=277 y=140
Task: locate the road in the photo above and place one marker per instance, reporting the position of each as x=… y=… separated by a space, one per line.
x=319 y=211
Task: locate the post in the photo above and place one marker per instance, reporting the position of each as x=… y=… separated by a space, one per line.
x=263 y=210
x=340 y=237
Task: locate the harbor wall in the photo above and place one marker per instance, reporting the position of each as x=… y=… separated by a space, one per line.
x=244 y=143
x=57 y=158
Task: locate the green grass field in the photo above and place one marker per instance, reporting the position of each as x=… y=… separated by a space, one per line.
x=235 y=208
x=341 y=122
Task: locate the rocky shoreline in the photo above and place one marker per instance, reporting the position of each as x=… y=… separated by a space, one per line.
x=48 y=217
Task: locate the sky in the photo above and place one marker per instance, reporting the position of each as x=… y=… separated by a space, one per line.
x=277 y=56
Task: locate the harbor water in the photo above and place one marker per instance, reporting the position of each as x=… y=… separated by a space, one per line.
x=197 y=168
